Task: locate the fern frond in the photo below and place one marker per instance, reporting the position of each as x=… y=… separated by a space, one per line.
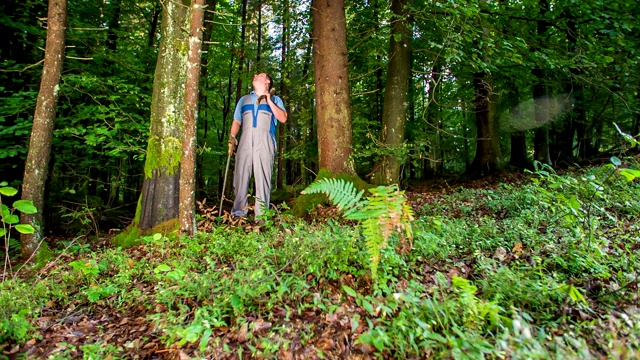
x=375 y=243
x=384 y=212
x=341 y=193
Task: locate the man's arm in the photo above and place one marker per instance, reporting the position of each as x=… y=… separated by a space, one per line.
x=278 y=112
x=235 y=128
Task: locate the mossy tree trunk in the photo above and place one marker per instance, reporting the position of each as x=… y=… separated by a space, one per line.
x=37 y=164
x=333 y=105
x=159 y=199
x=188 y=163
x=394 y=110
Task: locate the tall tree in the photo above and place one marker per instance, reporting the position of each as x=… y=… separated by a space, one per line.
x=283 y=93
x=394 y=110
x=241 y=50
x=488 y=157
x=542 y=151
x=37 y=165
x=159 y=200
x=188 y=161
x=333 y=106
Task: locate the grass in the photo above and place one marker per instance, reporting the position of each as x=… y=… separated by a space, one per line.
x=544 y=269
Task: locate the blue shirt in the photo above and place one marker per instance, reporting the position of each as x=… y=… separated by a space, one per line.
x=237 y=115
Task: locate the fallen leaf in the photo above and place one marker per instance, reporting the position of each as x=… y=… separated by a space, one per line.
x=517 y=249
x=261 y=325
x=241 y=336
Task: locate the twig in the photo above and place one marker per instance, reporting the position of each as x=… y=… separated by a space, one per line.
x=30 y=66
x=29 y=259
x=59 y=256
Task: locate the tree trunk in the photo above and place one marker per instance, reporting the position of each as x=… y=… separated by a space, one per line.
x=396 y=95
x=188 y=162
x=542 y=151
x=243 y=31
x=157 y=10
x=159 y=199
x=282 y=128
x=259 y=50
x=488 y=157
x=37 y=164
x=333 y=105
x=518 y=156
x=114 y=25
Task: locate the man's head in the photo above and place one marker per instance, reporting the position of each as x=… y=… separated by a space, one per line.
x=262 y=83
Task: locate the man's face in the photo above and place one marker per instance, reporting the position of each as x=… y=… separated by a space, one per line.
x=260 y=83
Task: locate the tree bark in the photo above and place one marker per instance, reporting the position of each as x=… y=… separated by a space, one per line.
x=157 y=10
x=259 y=50
x=188 y=161
x=283 y=74
x=243 y=31
x=394 y=110
x=488 y=157
x=37 y=164
x=333 y=105
x=518 y=156
x=542 y=151
x=159 y=199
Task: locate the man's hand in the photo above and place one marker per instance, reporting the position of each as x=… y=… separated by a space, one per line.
x=233 y=142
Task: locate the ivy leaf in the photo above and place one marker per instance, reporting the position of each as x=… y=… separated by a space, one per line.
x=11 y=219
x=367 y=306
x=25 y=206
x=25 y=229
x=349 y=291
x=616 y=161
x=236 y=302
x=8 y=191
x=630 y=174
x=162 y=268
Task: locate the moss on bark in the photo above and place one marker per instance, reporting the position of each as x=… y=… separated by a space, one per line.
x=132 y=235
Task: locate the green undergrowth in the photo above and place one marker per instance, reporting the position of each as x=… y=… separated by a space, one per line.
x=544 y=270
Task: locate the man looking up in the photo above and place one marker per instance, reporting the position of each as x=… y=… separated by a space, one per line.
x=258 y=114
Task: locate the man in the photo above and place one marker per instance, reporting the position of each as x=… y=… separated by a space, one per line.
x=258 y=113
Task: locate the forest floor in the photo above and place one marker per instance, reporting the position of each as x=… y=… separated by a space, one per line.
x=512 y=265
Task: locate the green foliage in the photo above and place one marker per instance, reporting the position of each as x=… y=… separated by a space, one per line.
x=10 y=220
x=384 y=212
x=550 y=295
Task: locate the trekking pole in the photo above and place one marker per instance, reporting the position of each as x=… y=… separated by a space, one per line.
x=224 y=184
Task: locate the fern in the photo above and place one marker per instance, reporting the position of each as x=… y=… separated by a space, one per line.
x=384 y=212
x=341 y=193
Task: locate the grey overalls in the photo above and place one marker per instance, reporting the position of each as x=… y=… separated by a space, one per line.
x=256 y=152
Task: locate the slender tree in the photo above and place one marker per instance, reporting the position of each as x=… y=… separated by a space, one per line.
x=541 y=144
x=282 y=129
x=37 y=164
x=188 y=161
x=241 y=50
x=333 y=106
x=394 y=110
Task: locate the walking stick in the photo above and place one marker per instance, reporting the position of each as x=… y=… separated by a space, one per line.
x=224 y=184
